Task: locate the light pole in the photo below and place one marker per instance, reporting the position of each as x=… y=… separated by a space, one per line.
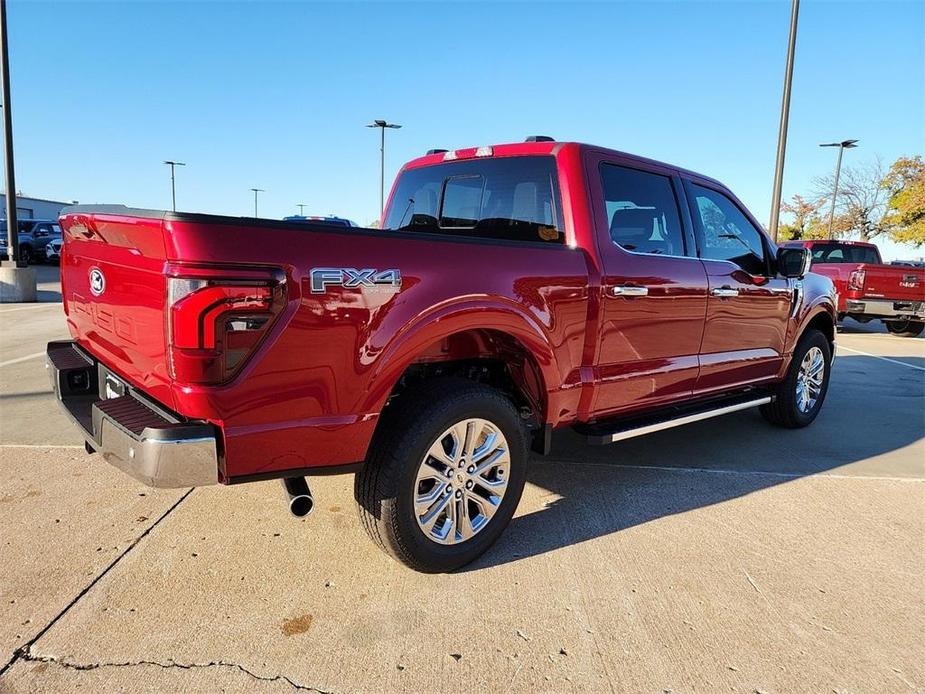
x=842 y=146
x=256 y=190
x=301 y=207
x=173 y=181
x=12 y=225
x=784 y=118
x=382 y=125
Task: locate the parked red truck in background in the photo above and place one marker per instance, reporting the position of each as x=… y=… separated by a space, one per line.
x=512 y=290
x=867 y=288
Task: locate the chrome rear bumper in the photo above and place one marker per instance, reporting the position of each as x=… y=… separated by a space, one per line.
x=884 y=308
x=129 y=431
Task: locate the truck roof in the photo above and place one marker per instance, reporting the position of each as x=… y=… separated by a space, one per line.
x=826 y=242
x=520 y=149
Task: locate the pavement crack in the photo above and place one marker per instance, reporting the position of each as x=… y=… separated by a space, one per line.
x=18 y=653
x=27 y=655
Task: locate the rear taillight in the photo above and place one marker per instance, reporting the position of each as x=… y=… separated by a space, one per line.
x=216 y=322
x=856 y=280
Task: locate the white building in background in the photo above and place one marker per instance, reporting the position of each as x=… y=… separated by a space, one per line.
x=35 y=208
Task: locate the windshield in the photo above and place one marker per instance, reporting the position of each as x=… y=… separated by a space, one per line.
x=512 y=198
x=845 y=253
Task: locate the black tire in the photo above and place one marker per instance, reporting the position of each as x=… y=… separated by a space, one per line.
x=905 y=328
x=785 y=410
x=385 y=486
x=25 y=255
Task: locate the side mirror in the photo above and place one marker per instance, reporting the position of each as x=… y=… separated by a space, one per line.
x=794 y=262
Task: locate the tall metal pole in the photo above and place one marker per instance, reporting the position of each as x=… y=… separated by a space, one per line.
x=784 y=119
x=842 y=146
x=256 y=190
x=382 y=125
x=841 y=150
x=173 y=183
x=301 y=207
x=382 y=170
x=12 y=225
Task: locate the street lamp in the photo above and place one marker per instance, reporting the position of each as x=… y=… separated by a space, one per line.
x=301 y=206
x=842 y=146
x=256 y=190
x=173 y=181
x=382 y=125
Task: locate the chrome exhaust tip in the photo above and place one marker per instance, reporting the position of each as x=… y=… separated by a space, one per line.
x=301 y=501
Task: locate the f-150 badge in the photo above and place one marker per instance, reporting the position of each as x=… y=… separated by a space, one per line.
x=352 y=278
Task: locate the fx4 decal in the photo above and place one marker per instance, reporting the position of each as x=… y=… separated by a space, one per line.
x=350 y=278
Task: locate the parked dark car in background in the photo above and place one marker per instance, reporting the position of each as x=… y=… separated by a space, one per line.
x=331 y=219
x=34 y=237
x=908 y=263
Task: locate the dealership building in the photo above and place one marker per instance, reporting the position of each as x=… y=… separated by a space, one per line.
x=34 y=208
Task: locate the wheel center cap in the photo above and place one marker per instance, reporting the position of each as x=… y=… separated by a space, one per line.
x=460 y=478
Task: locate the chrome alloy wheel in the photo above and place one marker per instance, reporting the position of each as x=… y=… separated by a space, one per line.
x=810 y=379
x=461 y=481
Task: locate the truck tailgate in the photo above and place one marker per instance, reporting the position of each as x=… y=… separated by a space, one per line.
x=894 y=282
x=114 y=292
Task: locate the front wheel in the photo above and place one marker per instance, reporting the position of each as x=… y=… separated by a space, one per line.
x=444 y=474
x=799 y=397
x=905 y=328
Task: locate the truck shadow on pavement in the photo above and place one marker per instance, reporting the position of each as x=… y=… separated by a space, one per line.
x=596 y=491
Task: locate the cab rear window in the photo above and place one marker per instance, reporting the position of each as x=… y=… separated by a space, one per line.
x=844 y=253
x=509 y=198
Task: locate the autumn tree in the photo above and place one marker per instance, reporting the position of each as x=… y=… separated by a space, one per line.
x=805 y=221
x=904 y=185
x=861 y=207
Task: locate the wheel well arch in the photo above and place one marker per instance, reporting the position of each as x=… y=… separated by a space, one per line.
x=485 y=355
x=824 y=323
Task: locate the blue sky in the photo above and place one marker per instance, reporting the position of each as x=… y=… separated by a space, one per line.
x=276 y=95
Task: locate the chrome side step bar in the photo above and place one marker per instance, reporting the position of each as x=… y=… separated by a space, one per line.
x=671 y=422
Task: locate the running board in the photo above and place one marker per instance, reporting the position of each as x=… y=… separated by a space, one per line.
x=641 y=427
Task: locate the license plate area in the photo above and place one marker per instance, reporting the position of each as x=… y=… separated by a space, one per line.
x=111 y=386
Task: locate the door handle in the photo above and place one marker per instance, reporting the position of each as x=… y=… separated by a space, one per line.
x=629 y=290
x=725 y=292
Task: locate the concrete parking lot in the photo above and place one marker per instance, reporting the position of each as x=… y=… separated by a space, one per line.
x=724 y=556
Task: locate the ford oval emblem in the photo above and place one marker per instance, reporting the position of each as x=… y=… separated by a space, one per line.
x=97 y=281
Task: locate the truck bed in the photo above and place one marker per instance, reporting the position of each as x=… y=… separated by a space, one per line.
x=320 y=376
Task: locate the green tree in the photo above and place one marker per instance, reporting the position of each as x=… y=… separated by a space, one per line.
x=905 y=187
x=805 y=221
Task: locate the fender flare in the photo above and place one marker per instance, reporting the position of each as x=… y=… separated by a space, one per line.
x=819 y=307
x=448 y=319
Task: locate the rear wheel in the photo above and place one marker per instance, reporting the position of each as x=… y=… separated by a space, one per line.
x=905 y=328
x=444 y=475
x=799 y=397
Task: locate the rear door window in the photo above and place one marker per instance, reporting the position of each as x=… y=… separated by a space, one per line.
x=508 y=198
x=642 y=211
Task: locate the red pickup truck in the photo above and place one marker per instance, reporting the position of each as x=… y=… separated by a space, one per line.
x=511 y=290
x=867 y=288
